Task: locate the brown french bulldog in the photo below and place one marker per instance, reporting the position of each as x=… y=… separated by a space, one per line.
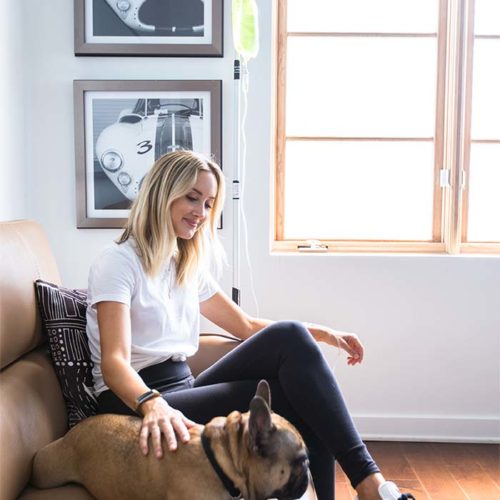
x=259 y=454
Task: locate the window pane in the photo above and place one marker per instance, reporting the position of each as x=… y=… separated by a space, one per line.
x=484 y=193
x=487 y=17
x=486 y=90
x=359 y=190
x=369 y=87
x=385 y=16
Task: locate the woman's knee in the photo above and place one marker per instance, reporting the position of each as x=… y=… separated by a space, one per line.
x=292 y=334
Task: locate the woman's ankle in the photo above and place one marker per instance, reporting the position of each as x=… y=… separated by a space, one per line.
x=368 y=488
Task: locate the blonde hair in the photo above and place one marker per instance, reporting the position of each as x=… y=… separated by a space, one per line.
x=150 y=223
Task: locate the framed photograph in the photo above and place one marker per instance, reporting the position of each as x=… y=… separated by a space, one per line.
x=122 y=127
x=148 y=27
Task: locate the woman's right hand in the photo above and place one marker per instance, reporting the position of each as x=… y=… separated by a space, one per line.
x=160 y=418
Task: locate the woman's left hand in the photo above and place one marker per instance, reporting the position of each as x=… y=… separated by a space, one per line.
x=349 y=342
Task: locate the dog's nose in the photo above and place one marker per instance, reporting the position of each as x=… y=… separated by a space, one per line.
x=301 y=484
x=300 y=479
x=296 y=486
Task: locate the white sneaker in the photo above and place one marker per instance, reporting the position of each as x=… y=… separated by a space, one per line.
x=389 y=491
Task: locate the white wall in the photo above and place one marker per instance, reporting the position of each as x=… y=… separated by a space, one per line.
x=431 y=324
x=13 y=202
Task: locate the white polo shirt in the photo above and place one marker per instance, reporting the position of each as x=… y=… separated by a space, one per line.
x=165 y=318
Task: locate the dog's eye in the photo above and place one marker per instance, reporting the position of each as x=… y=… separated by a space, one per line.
x=300 y=461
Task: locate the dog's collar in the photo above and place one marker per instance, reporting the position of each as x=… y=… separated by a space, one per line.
x=228 y=484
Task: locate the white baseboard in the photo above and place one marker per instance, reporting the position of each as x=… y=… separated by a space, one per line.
x=427 y=428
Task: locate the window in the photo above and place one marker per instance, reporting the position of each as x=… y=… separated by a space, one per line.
x=388 y=125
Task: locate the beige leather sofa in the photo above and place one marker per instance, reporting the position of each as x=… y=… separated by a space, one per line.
x=32 y=411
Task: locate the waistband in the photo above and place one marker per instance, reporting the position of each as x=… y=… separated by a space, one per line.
x=165 y=373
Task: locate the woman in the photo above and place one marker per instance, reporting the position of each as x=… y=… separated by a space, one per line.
x=146 y=292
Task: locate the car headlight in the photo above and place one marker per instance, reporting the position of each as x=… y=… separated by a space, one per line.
x=124 y=179
x=123 y=5
x=111 y=160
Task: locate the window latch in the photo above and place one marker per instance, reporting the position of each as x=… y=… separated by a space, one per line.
x=444 y=178
x=445 y=175
x=312 y=246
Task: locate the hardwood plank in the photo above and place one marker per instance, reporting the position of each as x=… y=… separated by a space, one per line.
x=437 y=481
x=488 y=457
x=391 y=460
x=476 y=483
x=453 y=454
x=343 y=491
x=434 y=471
x=466 y=470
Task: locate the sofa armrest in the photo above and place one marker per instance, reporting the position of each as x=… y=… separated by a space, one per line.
x=212 y=347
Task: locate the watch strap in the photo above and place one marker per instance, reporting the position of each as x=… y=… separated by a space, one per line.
x=152 y=393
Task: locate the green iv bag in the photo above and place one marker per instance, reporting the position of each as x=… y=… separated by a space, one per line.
x=245 y=28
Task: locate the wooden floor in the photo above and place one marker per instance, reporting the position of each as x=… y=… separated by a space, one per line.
x=434 y=470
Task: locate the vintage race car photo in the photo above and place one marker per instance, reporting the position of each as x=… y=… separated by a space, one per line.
x=161 y=17
x=127 y=149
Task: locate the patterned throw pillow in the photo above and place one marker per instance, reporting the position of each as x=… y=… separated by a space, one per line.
x=63 y=313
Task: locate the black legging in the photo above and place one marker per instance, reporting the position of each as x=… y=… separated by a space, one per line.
x=303 y=390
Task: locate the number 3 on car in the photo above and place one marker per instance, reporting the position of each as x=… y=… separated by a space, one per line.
x=127 y=148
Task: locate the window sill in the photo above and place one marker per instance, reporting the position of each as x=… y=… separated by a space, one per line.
x=381 y=247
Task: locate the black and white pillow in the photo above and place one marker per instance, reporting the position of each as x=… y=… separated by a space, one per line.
x=63 y=313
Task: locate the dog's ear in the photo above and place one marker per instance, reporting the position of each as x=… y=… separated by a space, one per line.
x=264 y=391
x=260 y=424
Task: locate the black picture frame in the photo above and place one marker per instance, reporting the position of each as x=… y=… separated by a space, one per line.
x=183 y=28
x=123 y=126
